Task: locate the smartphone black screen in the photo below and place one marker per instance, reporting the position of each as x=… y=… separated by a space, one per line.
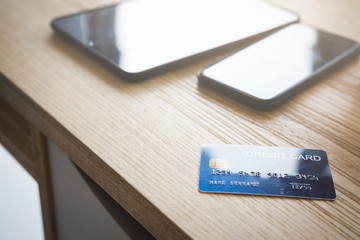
x=276 y=67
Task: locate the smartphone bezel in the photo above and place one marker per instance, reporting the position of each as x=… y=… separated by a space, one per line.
x=268 y=104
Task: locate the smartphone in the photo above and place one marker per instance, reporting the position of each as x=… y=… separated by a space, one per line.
x=275 y=68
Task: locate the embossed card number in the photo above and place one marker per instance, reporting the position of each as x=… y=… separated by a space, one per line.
x=288 y=172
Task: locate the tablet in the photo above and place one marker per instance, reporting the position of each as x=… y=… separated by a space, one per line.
x=141 y=37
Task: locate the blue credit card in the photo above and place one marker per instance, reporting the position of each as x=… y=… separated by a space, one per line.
x=272 y=171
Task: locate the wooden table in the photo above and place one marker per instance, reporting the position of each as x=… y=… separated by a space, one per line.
x=141 y=142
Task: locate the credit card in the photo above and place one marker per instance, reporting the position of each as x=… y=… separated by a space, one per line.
x=271 y=171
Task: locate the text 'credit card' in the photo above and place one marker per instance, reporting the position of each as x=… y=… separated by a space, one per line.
x=273 y=171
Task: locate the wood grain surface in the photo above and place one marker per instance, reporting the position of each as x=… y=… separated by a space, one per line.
x=141 y=142
x=17 y=136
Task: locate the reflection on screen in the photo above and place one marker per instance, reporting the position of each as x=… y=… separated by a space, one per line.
x=277 y=63
x=142 y=34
